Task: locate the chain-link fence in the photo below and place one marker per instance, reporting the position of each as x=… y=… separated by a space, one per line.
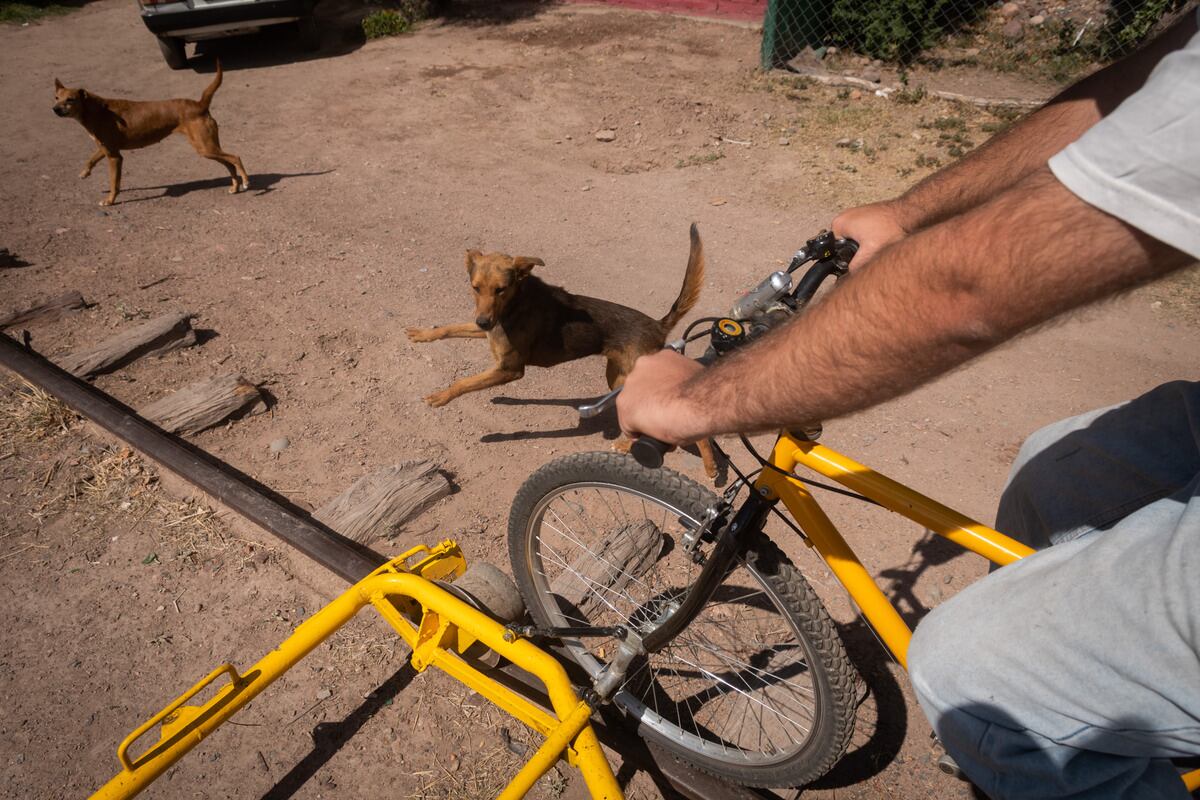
x=1054 y=40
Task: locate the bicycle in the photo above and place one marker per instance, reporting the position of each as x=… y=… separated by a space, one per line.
x=675 y=605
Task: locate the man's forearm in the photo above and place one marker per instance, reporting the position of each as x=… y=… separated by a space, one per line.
x=927 y=304
x=1026 y=146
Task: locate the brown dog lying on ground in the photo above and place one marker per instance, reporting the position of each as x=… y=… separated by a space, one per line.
x=118 y=125
x=530 y=323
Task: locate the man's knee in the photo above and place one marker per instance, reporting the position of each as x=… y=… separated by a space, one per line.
x=947 y=658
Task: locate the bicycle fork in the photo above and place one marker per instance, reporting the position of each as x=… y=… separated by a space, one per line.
x=730 y=544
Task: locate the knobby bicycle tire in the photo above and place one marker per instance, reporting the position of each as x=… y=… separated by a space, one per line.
x=686 y=697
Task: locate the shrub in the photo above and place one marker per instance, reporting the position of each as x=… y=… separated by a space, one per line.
x=1130 y=22
x=898 y=30
x=385 y=22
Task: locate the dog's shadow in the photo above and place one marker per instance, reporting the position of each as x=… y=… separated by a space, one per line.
x=260 y=183
x=605 y=424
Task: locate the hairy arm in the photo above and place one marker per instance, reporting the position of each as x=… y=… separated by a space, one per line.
x=1011 y=155
x=928 y=304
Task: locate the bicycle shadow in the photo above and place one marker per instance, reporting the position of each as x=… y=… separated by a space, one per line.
x=930 y=551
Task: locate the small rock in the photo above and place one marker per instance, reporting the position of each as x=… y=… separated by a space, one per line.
x=1036 y=20
x=567 y=137
x=1156 y=304
x=872 y=74
x=1013 y=30
x=784 y=141
x=877 y=62
x=177 y=258
x=586 y=189
x=61 y=231
x=845 y=141
x=831 y=51
x=971 y=52
x=161 y=608
x=324 y=694
x=1009 y=9
x=679 y=131
x=280 y=444
x=808 y=57
x=606 y=135
x=917 y=135
x=856 y=95
x=717 y=201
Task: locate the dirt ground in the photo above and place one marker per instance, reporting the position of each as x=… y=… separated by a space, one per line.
x=373 y=166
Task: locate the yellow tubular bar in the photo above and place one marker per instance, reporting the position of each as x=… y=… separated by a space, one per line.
x=389 y=587
x=960 y=529
x=875 y=606
x=1192 y=780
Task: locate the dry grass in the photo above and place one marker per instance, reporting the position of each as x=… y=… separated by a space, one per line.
x=30 y=414
x=116 y=479
x=484 y=770
x=360 y=644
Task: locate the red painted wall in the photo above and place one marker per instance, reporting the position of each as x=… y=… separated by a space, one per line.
x=726 y=9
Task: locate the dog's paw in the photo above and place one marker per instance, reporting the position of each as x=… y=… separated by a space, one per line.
x=438 y=399
x=86 y=173
x=419 y=334
x=107 y=201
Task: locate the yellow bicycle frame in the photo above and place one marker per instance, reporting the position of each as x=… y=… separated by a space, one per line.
x=822 y=535
x=779 y=484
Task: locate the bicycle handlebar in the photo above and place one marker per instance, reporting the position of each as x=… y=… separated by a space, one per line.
x=648 y=451
x=832 y=257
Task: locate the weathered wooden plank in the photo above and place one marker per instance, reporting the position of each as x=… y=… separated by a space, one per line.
x=205 y=403
x=379 y=504
x=596 y=576
x=53 y=308
x=159 y=335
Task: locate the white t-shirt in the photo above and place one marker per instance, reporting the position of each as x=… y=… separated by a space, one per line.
x=1141 y=163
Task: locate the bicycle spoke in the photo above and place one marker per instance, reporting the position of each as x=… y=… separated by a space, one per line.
x=734 y=684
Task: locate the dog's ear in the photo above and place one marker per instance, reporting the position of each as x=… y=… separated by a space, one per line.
x=58 y=84
x=471 y=256
x=523 y=265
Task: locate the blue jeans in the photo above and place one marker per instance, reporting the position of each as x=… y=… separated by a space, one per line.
x=1076 y=672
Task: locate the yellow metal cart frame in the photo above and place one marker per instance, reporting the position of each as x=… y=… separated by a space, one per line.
x=433 y=622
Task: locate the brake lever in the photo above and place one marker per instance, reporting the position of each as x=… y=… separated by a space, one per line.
x=589 y=410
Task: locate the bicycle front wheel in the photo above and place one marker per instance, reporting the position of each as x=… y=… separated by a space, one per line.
x=757 y=689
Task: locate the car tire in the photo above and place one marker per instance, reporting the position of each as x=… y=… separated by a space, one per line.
x=309 y=34
x=174 y=51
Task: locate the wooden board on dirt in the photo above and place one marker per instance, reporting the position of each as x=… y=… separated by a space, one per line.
x=159 y=335
x=53 y=308
x=205 y=403
x=379 y=504
x=623 y=557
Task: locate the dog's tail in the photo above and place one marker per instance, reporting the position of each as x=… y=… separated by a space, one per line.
x=206 y=98
x=693 y=282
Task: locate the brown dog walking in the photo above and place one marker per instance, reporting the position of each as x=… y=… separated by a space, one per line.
x=118 y=125
x=529 y=323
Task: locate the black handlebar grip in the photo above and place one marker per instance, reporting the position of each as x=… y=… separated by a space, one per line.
x=648 y=451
